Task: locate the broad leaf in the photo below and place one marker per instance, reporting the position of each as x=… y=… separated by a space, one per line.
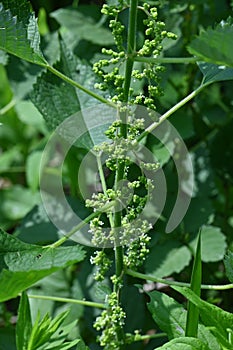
x=24 y=323
x=215 y=45
x=19 y=33
x=211 y=315
x=33 y=165
x=24 y=264
x=57 y=101
x=228 y=262
x=213 y=244
x=213 y=73
x=170 y=316
x=83 y=27
x=185 y=343
x=167 y=258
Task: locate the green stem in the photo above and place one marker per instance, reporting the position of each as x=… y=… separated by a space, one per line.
x=170 y=112
x=80 y=226
x=130 y=47
x=166 y=59
x=140 y=337
x=175 y=283
x=80 y=87
x=68 y=300
x=104 y=185
x=6 y=108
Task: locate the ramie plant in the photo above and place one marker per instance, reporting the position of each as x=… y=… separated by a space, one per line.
x=128 y=234
x=115 y=221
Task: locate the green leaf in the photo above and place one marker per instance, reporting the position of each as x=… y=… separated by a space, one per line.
x=83 y=27
x=213 y=244
x=170 y=316
x=49 y=333
x=211 y=315
x=167 y=258
x=19 y=33
x=33 y=165
x=215 y=45
x=57 y=101
x=228 y=262
x=185 y=343
x=23 y=264
x=3 y=58
x=24 y=323
x=213 y=73
x=191 y=328
x=17 y=201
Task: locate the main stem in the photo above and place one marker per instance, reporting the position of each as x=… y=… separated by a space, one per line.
x=123 y=116
x=119 y=266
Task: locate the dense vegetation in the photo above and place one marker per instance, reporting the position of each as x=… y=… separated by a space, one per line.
x=139 y=94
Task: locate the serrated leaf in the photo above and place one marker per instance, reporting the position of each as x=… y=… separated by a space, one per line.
x=167 y=258
x=23 y=264
x=228 y=262
x=185 y=343
x=19 y=33
x=170 y=316
x=24 y=323
x=213 y=73
x=211 y=315
x=57 y=101
x=213 y=244
x=215 y=45
x=83 y=26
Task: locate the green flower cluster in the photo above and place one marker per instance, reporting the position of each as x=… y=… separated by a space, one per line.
x=110 y=322
x=103 y=264
x=110 y=70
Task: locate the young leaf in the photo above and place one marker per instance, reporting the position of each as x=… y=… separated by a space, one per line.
x=170 y=316
x=24 y=323
x=24 y=264
x=19 y=33
x=211 y=315
x=191 y=328
x=215 y=45
x=185 y=343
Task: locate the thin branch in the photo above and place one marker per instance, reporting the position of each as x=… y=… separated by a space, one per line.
x=68 y=300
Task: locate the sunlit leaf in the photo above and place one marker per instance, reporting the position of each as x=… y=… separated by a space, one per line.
x=215 y=45
x=19 y=33
x=213 y=244
x=83 y=26
x=170 y=316
x=24 y=264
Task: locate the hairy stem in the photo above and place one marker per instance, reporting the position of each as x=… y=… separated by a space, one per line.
x=175 y=283
x=8 y=107
x=170 y=112
x=79 y=86
x=80 y=226
x=68 y=300
x=166 y=59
